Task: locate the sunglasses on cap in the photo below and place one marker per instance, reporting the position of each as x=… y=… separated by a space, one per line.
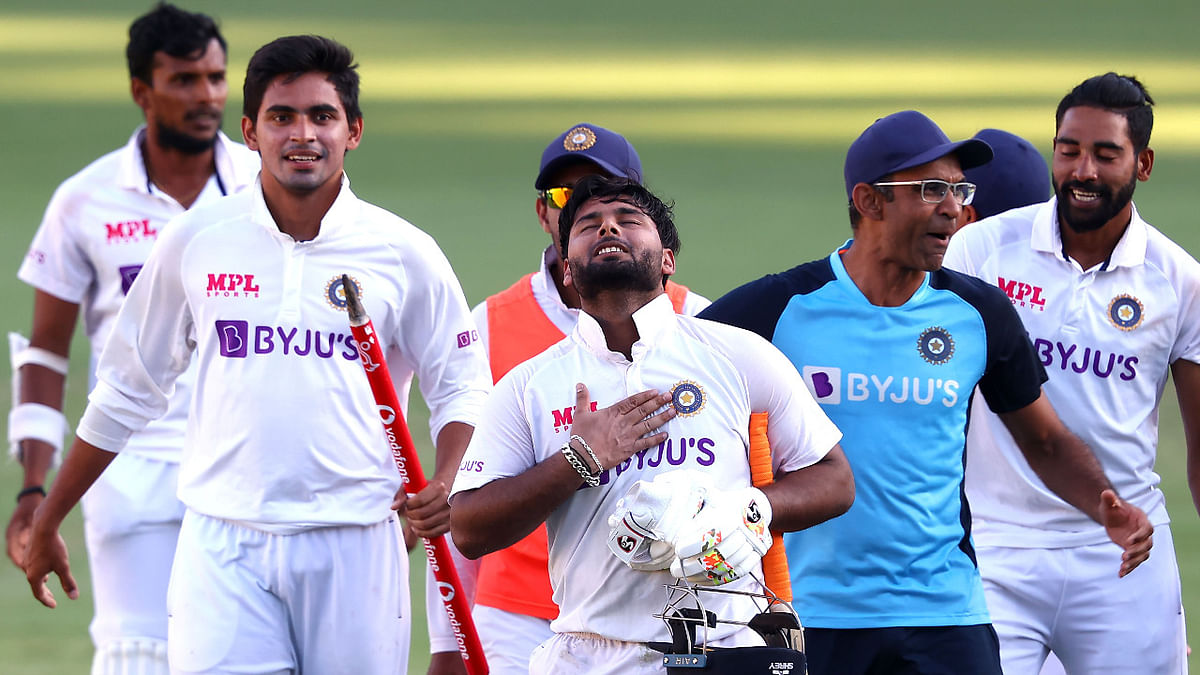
x=555 y=197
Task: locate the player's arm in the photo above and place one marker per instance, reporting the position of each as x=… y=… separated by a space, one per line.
x=810 y=496
x=503 y=511
x=1187 y=388
x=1067 y=466
x=53 y=326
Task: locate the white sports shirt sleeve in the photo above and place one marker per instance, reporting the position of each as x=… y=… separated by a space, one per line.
x=720 y=374
x=284 y=434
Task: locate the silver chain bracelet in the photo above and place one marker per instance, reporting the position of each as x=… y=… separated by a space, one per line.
x=588 y=449
x=593 y=480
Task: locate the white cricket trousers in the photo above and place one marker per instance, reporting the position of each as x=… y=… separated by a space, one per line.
x=330 y=600
x=1070 y=600
x=131 y=520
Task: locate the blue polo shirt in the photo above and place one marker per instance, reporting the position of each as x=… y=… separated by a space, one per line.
x=898 y=382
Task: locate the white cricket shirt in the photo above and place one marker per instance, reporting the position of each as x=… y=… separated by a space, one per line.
x=284 y=431
x=1107 y=337
x=720 y=375
x=95 y=235
x=545 y=292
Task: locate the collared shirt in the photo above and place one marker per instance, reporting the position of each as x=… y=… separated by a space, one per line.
x=720 y=375
x=897 y=380
x=284 y=433
x=564 y=318
x=1107 y=337
x=95 y=235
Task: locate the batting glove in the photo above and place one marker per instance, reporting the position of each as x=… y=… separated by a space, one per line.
x=644 y=524
x=726 y=539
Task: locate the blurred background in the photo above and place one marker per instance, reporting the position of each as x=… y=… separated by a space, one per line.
x=741 y=113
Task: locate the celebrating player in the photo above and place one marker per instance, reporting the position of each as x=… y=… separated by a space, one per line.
x=1113 y=306
x=286 y=469
x=513 y=598
x=892 y=347
x=1017 y=176
x=550 y=449
x=97 y=232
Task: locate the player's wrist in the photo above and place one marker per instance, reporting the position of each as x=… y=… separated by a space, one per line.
x=579 y=464
x=31 y=490
x=586 y=454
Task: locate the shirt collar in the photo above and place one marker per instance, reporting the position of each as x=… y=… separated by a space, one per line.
x=1130 y=250
x=131 y=172
x=342 y=212
x=654 y=320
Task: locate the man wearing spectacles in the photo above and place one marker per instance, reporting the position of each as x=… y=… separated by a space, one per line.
x=513 y=604
x=892 y=346
x=1113 y=307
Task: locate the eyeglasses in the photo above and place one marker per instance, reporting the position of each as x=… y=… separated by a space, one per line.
x=933 y=190
x=555 y=197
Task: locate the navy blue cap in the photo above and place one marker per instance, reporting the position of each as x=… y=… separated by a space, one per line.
x=1017 y=176
x=901 y=141
x=606 y=149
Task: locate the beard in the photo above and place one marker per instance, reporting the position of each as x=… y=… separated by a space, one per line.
x=1110 y=204
x=170 y=138
x=642 y=274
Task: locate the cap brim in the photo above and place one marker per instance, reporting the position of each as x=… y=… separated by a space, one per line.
x=541 y=183
x=971 y=153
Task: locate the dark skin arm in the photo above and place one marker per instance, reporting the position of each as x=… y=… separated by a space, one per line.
x=1067 y=466
x=1187 y=389
x=810 y=496
x=53 y=325
x=428 y=512
x=502 y=512
x=47 y=552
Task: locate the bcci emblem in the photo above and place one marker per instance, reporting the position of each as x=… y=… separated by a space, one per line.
x=1125 y=312
x=335 y=295
x=935 y=345
x=579 y=138
x=687 y=397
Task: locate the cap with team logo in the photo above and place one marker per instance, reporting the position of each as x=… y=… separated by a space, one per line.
x=901 y=141
x=602 y=147
x=1017 y=176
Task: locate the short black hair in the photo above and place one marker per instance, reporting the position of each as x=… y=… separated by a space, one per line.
x=607 y=190
x=1121 y=94
x=297 y=55
x=171 y=30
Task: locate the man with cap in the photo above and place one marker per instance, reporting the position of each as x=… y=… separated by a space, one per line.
x=1113 y=308
x=1017 y=176
x=513 y=608
x=892 y=346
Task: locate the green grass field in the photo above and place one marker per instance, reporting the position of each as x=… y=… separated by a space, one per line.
x=741 y=113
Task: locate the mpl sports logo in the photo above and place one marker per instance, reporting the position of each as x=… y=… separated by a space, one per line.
x=565 y=417
x=129 y=231
x=238 y=340
x=829 y=387
x=231 y=285
x=1022 y=294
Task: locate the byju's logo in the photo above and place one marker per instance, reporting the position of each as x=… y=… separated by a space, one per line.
x=466 y=337
x=128 y=274
x=129 y=231
x=234 y=337
x=1022 y=294
x=825 y=384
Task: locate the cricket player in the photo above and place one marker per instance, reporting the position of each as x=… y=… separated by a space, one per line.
x=1017 y=176
x=513 y=603
x=1113 y=307
x=286 y=469
x=566 y=434
x=892 y=346
x=95 y=236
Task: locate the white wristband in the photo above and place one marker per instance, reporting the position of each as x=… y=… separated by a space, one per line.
x=38 y=422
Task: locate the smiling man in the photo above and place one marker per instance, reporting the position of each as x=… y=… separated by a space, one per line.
x=536 y=459
x=96 y=233
x=1113 y=307
x=286 y=468
x=892 y=346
